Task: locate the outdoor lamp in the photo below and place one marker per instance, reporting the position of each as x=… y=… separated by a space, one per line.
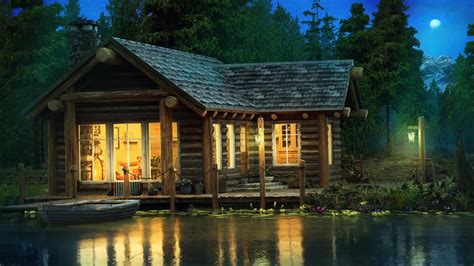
x=411 y=136
x=259 y=137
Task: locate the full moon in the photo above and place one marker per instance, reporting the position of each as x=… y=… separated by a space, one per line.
x=435 y=23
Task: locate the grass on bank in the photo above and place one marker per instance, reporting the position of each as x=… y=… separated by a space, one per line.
x=9 y=193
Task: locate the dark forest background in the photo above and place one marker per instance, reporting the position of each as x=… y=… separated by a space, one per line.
x=33 y=54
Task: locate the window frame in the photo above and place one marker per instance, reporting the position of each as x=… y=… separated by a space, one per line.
x=230 y=147
x=217 y=145
x=107 y=159
x=110 y=150
x=274 y=144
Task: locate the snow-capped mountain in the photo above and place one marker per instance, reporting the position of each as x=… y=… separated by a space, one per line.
x=439 y=68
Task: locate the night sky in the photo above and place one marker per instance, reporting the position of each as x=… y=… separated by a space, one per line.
x=448 y=38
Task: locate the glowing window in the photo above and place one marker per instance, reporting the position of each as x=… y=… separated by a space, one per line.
x=217 y=154
x=330 y=145
x=128 y=150
x=244 y=159
x=93 y=152
x=154 y=143
x=230 y=146
x=286 y=144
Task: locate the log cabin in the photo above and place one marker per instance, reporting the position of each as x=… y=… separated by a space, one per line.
x=126 y=104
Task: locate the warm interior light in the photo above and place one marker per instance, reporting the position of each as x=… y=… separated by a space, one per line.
x=411 y=137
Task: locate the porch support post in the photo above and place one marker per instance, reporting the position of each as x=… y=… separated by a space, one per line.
x=323 y=151
x=207 y=152
x=52 y=158
x=261 y=160
x=166 y=146
x=71 y=149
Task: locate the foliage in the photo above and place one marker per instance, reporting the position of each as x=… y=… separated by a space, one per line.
x=125 y=17
x=9 y=193
x=313 y=47
x=441 y=196
x=72 y=11
x=33 y=54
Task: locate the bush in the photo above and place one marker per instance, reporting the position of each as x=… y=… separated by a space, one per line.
x=440 y=196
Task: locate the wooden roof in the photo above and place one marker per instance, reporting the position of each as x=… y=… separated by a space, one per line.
x=206 y=84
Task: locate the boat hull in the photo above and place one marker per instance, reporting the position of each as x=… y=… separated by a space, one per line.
x=88 y=211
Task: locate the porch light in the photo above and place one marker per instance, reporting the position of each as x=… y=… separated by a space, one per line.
x=259 y=136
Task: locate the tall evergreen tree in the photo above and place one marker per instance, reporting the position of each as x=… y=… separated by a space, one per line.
x=72 y=11
x=125 y=17
x=395 y=63
x=33 y=56
x=355 y=42
x=328 y=37
x=313 y=47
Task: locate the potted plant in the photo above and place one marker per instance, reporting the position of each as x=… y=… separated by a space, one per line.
x=185 y=186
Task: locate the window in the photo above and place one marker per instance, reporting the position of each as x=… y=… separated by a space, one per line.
x=330 y=146
x=286 y=144
x=128 y=150
x=230 y=146
x=244 y=159
x=217 y=154
x=154 y=143
x=93 y=152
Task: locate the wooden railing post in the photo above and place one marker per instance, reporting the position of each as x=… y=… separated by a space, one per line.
x=323 y=151
x=421 y=148
x=215 y=186
x=302 y=179
x=73 y=181
x=21 y=183
x=126 y=183
x=172 y=188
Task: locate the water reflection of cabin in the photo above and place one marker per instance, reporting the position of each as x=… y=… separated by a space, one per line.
x=147 y=107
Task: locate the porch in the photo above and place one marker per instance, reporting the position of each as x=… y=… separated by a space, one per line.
x=289 y=198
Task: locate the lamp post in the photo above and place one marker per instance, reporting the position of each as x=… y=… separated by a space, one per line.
x=421 y=145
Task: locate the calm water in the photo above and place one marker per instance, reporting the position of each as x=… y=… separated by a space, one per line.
x=190 y=240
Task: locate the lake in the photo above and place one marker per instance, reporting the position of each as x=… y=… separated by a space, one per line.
x=204 y=240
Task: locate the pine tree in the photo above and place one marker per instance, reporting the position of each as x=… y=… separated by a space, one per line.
x=125 y=17
x=328 y=37
x=289 y=41
x=395 y=63
x=33 y=56
x=72 y=11
x=313 y=47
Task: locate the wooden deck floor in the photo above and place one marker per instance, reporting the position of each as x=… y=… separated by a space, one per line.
x=287 y=197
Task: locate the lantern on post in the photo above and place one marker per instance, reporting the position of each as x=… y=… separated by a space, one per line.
x=421 y=144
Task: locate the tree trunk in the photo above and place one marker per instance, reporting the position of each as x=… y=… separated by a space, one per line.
x=464 y=168
x=389 y=130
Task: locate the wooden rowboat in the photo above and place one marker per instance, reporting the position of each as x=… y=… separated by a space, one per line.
x=88 y=211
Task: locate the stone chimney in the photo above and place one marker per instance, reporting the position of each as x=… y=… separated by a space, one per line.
x=83 y=35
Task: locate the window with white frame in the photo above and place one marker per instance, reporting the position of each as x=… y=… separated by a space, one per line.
x=230 y=136
x=286 y=144
x=217 y=154
x=105 y=149
x=128 y=150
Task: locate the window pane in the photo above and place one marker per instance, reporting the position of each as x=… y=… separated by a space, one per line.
x=286 y=143
x=230 y=146
x=330 y=147
x=128 y=150
x=154 y=138
x=155 y=150
x=217 y=154
x=93 y=152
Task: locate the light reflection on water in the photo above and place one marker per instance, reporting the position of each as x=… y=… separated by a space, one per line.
x=185 y=240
